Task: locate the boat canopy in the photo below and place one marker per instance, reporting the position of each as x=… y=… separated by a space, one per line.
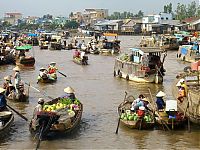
x=137 y=50
x=24 y=47
x=32 y=34
x=110 y=34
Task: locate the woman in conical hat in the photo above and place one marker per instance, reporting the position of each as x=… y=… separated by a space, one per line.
x=160 y=94
x=69 y=93
x=159 y=100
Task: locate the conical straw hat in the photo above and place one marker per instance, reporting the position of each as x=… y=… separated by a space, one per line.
x=69 y=90
x=160 y=94
x=16 y=68
x=7 y=78
x=2 y=90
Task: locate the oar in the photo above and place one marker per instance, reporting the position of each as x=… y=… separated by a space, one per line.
x=162 y=121
x=189 y=127
x=116 y=132
x=62 y=74
x=18 y=113
x=40 y=137
x=39 y=91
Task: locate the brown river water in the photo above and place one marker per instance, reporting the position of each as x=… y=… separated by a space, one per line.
x=100 y=93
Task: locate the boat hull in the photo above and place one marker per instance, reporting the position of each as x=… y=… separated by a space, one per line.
x=193 y=111
x=8 y=122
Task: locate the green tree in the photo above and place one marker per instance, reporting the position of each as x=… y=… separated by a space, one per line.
x=71 y=25
x=192 y=9
x=168 y=8
x=181 y=12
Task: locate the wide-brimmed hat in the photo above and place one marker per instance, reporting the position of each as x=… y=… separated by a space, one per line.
x=145 y=99
x=40 y=100
x=2 y=90
x=52 y=63
x=16 y=68
x=181 y=80
x=160 y=94
x=178 y=84
x=42 y=68
x=69 y=90
x=7 y=78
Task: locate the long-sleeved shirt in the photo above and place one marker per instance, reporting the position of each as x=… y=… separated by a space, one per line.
x=3 y=101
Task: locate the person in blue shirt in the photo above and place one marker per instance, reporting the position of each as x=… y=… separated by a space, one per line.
x=159 y=100
x=3 y=101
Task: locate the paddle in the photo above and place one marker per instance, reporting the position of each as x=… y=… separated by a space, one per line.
x=62 y=74
x=162 y=121
x=39 y=138
x=18 y=113
x=189 y=128
x=38 y=91
x=116 y=132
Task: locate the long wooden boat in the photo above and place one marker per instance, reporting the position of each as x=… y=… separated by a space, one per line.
x=6 y=57
x=6 y=121
x=141 y=65
x=81 y=61
x=132 y=120
x=166 y=42
x=191 y=103
x=25 y=60
x=59 y=115
x=173 y=120
x=189 y=53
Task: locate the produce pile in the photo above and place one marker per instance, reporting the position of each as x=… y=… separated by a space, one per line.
x=124 y=57
x=62 y=104
x=135 y=117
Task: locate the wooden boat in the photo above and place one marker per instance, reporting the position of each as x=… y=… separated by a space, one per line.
x=141 y=65
x=172 y=119
x=47 y=78
x=6 y=121
x=24 y=60
x=22 y=96
x=80 y=61
x=189 y=53
x=191 y=103
x=62 y=120
x=106 y=46
x=166 y=42
x=43 y=45
x=55 y=43
x=132 y=120
x=169 y=43
x=6 y=57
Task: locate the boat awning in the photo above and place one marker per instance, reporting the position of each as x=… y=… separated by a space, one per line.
x=109 y=34
x=137 y=50
x=32 y=35
x=24 y=47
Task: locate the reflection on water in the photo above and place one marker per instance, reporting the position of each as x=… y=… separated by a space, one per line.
x=100 y=94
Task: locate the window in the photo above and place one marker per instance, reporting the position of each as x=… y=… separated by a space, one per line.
x=166 y=18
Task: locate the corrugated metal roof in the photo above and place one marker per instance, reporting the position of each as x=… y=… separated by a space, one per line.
x=107 y=22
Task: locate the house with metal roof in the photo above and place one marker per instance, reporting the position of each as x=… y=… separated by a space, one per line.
x=109 y=25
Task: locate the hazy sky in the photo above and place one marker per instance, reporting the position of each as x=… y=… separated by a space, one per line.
x=64 y=7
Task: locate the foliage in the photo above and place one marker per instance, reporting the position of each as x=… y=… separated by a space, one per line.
x=71 y=25
x=168 y=8
x=125 y=15
x=186 y=11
